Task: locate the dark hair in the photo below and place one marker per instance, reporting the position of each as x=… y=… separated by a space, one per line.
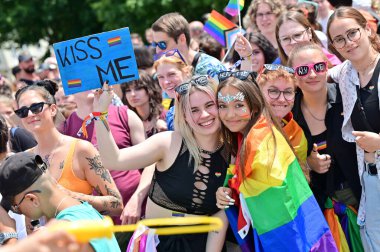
x=297 y=17
x=6 y=90
x=256 y=38
x=210 y=46
x=173 y=24
x=153 y=90
x=46 y=88
x=352 y=13
x=4 y=137
x=144 y=57
x=257 y=105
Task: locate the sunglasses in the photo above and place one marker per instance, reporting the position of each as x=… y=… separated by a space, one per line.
x=35 y=108
x=305 y=70
x=170 y=53
x=184 y=88
x=161 y=44
x=275 y=67
x=241 y=75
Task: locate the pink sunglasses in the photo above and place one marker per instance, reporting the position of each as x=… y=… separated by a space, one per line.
x=305 y=70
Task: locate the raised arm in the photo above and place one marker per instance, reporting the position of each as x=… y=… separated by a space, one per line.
x=244 y=49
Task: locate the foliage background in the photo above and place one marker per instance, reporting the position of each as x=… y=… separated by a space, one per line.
x=27 y=21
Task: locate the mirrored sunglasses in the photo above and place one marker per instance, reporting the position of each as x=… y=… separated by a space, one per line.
x=201 y=80
x=35 y=108
x=161 y=44
x=305 y=70
x=241 y=75
x=170 y=53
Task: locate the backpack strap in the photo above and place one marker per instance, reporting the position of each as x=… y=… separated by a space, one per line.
x=196 y=59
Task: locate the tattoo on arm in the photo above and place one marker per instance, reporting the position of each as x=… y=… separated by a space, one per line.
x=98 y=191
x=97 y=166
x=116 y=201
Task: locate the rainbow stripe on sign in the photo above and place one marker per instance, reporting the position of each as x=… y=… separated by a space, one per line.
x=74 y=83
x=114 y=41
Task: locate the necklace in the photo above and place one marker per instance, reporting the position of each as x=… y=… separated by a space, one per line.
x=369 y=65
x=49 y=157
x=210 y=152
x=321 y=120
x=59 y=204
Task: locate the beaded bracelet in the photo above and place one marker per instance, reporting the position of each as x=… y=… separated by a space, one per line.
x=248 y=57
x=94 y=116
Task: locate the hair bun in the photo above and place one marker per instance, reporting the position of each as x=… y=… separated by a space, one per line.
x=49 y=85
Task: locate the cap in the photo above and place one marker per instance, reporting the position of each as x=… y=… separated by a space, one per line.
x=24 y=56
x=17 y=173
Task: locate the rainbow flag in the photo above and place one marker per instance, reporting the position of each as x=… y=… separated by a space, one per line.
x=275 y=204
x=296 y=136
x=221 y=29
x=234 y=7
x=114 y=41
x=321 y=145
x=74 y=83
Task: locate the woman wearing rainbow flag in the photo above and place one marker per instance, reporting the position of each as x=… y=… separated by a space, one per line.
x=265 y=189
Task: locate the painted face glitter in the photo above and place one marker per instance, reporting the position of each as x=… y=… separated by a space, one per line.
x=230 y=98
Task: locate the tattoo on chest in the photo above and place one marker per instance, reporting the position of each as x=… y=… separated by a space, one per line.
x=61 y=165
x=96 y=165
x=46 y=160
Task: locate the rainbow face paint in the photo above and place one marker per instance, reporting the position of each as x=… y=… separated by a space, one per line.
x=230 y=98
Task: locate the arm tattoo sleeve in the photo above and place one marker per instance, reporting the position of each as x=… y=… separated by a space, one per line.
x=97 y=166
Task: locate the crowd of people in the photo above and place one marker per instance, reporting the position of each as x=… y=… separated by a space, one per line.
x=280 y=138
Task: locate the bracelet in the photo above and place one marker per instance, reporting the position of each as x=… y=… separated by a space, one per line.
x=94 y=116
x=248 y=57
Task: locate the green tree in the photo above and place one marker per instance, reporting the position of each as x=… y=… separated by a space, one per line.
x=27 y=21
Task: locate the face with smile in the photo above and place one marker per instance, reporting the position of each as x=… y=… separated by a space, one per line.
x=203 y=113
x=290 y=33
x=313 y=82
x=282 y=105
x=233 y=109
x=258 y=58
x=265 y=19
x=36 y=122
x=169 y=77
x=353 y=36
x=136 y=96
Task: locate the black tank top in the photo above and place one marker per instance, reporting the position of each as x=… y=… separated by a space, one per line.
x=181 y=189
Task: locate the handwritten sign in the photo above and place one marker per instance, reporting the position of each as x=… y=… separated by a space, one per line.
x=85 y=63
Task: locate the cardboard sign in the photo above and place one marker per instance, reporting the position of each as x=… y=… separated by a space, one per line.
x=85 y=63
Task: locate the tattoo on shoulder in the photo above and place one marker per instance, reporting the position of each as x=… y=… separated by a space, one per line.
x=97 y=166
x=61 y=165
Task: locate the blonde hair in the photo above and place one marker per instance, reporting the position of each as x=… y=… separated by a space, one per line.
x=182 y=66
x=183 y=111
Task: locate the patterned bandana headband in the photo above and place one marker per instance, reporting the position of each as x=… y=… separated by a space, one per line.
x=230 y=98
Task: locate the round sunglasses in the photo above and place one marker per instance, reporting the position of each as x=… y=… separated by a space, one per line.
x=35 y=108
x=305 y=70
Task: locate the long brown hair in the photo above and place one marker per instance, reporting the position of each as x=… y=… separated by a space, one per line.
x=351 y=13
x=297 y=17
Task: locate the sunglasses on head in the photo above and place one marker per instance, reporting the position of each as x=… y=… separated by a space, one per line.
x=201 y=80
x=170 y=53
x=241 y=75
x=275 y=67
x=161 y=44
x=35 y=108
x=305 y=70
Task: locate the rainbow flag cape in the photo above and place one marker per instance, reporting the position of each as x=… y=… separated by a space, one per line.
x=342 y=221
x=296 y=136
x=234 y=7
x=275 y=205
x=221 y=29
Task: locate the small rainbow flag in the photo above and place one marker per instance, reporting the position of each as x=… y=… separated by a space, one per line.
x=217 y=26
x=234 y=7
x=74 y=83
x=321 y=145
x=114 y=41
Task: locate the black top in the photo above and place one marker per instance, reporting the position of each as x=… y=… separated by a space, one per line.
x=367 y=105
x=21 y=140
x=181 y=189
x=343 y=154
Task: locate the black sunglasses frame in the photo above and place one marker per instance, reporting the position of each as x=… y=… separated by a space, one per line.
x=35 y=108
x=241 y=75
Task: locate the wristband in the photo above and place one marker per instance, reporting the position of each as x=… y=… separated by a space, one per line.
x=91 y=117
x=247 y=57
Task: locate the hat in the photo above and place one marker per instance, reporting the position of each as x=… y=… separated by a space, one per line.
x=24 y=56
x=47 y=66
x=17 y=173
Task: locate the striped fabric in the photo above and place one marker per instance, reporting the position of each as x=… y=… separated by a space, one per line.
x=296 y=136
x=274 y=198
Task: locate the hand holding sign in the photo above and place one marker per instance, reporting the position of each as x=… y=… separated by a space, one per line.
x=85 y=63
